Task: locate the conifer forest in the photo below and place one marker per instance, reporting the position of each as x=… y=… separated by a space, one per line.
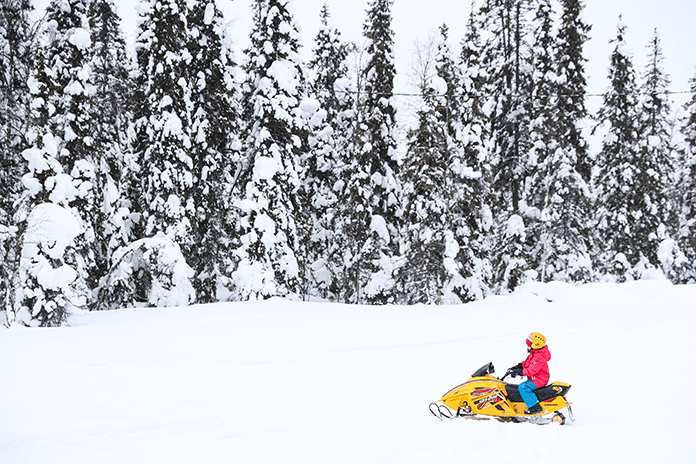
x=183 y=170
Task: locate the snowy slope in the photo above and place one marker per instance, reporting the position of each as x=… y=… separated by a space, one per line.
x=291 y=382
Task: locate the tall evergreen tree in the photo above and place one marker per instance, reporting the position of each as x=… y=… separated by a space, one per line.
x=571 y=112
x=656 y=106
x=373 y=188
x=162 y=142
x=62 y=164
x=623 y=238
x=330 y=69
x=132 y=203
x=443 y=194
x=686 y=191
x=656 y=152
x=473 y=89
x=109 y=62
x=214 y=135
x=470 y=169
x=275 y=141
x=656 y=155
x=15 y=63
x=557 y=197
x=505 y=59
x=16 y=43
x=110 y=76
x=572 y=223
x=542 y=137
x=325 y=163
x=424 y=275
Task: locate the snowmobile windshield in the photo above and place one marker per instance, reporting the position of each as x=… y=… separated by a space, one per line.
x=486 y=369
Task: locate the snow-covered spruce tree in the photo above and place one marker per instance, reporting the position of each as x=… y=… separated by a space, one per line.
x=110 y=67
x=161 y=140
x=542 y=139
x=443 y=195
x=476 y=87
x=324 y=242
x=557 y=197
x=572 y=222
x=509 y=256
x=622 y=241
x=149 y=271
x=62 y=163
x=686 y=190
x=274 y=141
x=471 y=90
x=16 y=43
x=214 y=135
x=47 y=264
x=469 y=171
x=132 y=205
x=571 y=99
x=330 y=69
x=467 y=254
x=424 y=176
x=656 y=174
x=372 y=186
x=505 y=60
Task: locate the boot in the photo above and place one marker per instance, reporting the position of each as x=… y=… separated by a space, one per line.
x=536 y=409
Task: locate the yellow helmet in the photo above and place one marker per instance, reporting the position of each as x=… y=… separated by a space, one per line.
x=536 y=341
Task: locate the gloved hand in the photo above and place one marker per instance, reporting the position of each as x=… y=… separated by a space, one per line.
x=516 y=371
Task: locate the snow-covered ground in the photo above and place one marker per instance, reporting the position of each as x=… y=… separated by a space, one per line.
x=292 y=382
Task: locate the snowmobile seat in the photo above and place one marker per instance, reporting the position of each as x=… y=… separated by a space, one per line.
x=543 y=393
x=551 y=391
x=513 y=393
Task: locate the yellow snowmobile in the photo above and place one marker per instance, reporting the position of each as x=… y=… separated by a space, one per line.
x=485 y=396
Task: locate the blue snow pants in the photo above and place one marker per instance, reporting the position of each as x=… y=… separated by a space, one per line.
x=527 y=392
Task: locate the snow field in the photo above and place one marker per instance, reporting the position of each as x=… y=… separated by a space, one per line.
x=294 y=382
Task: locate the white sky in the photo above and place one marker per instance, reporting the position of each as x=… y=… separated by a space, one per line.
x=415 y=19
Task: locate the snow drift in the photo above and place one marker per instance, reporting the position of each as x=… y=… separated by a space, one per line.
x=281 y=381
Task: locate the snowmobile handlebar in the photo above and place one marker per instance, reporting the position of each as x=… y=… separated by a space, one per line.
x=514 y=372
x=488 y=369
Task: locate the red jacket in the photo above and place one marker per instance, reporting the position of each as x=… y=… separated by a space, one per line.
x=536 y=367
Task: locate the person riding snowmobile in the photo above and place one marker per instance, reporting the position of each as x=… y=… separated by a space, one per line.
x=536 y=369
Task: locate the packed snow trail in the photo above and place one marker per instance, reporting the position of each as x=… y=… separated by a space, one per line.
x=280 y=381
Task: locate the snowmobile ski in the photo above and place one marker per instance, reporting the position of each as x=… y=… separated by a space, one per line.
x=441 y=411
